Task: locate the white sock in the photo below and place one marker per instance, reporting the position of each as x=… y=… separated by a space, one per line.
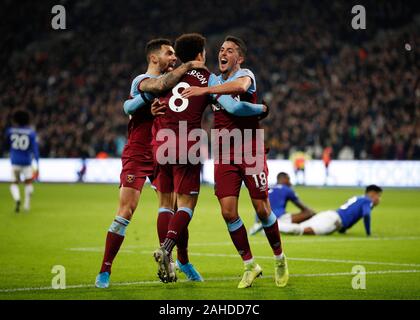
x=29 y=188
x=279 y=257
x=290 y=228
x=250 y=261
x=14 y=190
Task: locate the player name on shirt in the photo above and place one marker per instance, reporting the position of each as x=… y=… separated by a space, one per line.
x=201 y=77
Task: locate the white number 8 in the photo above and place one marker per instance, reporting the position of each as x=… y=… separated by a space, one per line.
x=176 y=95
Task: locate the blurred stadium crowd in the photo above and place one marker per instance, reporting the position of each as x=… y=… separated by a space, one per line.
x=327 y=84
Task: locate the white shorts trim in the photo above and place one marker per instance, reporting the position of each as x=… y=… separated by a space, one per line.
x=325 y=222
x=19 y=171
x=285 y=218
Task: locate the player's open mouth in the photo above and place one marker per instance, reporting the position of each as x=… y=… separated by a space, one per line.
x=171 y=67
x=223 y=61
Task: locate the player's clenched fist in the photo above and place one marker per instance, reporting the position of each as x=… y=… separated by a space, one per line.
x=266 y=110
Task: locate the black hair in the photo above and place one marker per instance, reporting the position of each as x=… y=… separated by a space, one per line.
x=189 y=45
x=240 y=43
x=155 y=45
x=374 y=188
x=21 y=117
x=282 y=175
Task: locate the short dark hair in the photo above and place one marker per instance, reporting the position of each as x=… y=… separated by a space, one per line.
x=189 y=45
x=155 y=45
x=282 y=175
x=373 y=187
x=21 y=117
x=240 y=43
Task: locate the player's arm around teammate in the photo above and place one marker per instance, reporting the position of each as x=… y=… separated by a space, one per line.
x=169 y=80
x=150 y=87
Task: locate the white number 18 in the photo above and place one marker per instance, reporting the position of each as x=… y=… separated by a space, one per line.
x=263 y=179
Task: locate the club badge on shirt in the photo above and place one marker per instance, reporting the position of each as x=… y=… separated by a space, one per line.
x=130 y=178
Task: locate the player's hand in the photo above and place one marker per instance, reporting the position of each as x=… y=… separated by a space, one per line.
x=193 y=92
x=158 y=108
x=311 y=211
x=266 y=111
x=197 y=65
x=35 y=175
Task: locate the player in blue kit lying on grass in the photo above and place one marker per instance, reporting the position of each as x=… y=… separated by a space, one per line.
x=342 y=219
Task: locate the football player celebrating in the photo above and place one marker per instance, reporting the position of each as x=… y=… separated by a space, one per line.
x=22 y=141
x=229 y=176
x=181 y=175
x=279 y=195
x=342 y=219
x=137 y=157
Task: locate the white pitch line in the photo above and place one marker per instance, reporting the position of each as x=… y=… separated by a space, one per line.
x=396 y=264
x=229 y=243
x=97 y=250
x=147 y=282
x=302 y=259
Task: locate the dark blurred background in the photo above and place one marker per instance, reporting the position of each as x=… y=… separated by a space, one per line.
x=328 y=85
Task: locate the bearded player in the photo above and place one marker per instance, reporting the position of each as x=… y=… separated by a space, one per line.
x=137 y=157
x=177 y=172
x=229 y=176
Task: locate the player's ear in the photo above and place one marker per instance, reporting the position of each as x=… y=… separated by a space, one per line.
x=241 y=59
x=154 y=58
x=201 y=56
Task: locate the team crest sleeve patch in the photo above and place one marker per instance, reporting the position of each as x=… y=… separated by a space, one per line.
x=130 y=178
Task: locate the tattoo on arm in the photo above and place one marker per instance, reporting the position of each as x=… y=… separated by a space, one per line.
x=165 y=82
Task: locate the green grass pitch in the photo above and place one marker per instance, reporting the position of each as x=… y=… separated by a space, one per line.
x=68 y=223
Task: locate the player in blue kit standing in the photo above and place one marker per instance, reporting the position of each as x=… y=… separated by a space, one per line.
x=279 y=195
x=22 y=142
x=342 y=219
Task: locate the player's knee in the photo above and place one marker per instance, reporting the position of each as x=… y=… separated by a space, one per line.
x=262 y=211
x=309 y=231
x=230 y=215
x=126 y=210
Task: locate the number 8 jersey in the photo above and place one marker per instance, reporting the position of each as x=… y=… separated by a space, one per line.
x=186 y=110
x=23 y=146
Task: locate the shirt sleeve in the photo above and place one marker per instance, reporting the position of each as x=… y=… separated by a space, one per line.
x=132 y=105
x=237 y=108
x=34 y=145
x=135 y=86
x=138 y=98
x=366 y=217
x=213 y=80
x=247 y=73
x=292 y=196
